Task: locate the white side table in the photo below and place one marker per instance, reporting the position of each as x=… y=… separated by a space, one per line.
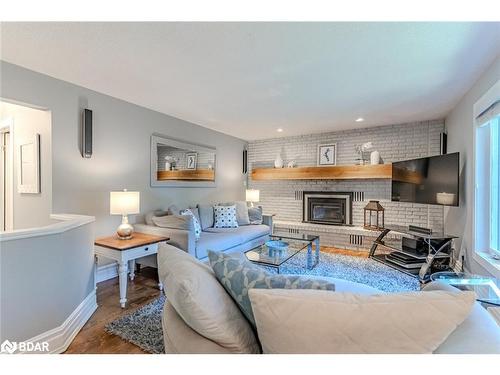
x=125 y=252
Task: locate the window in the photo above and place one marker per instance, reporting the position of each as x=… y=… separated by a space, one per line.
x=494 y=185
x=487 y=187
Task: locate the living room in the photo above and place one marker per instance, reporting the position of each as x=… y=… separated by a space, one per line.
x=177 y=186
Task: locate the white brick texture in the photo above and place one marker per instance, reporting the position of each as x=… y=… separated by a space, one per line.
x=394 y=142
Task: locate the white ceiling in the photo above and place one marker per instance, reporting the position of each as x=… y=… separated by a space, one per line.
x=248 y=79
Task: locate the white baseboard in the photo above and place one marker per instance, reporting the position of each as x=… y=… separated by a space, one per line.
x=106 y=272
x=61 y=337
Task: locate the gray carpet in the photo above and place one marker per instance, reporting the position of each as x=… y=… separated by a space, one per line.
x=143 y=327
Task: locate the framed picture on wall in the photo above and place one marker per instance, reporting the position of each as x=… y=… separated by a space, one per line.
x=28 y=166
x=327 y=154
x=191 y=160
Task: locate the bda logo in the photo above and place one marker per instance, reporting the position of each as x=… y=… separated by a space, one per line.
x=8 y=347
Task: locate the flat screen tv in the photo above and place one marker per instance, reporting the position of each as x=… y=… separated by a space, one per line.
x=432 y=180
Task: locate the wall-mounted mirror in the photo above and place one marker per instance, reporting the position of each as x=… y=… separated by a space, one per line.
x=179 y=163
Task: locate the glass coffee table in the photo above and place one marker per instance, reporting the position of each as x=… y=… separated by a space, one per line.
x=486 y=288
x=292 y=244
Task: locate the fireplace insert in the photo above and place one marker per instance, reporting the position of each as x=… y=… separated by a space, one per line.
x=327 y=207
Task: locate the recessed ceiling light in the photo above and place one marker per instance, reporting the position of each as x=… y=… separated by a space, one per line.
x=360 y=119
x=279 y=130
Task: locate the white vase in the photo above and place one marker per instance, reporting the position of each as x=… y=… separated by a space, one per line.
x=167 y=166
x=278 y=162
x=375 y=158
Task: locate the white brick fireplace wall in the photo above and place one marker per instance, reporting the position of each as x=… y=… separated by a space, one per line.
x=394 y=142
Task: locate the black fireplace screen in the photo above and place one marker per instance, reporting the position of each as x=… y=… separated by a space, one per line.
x=331 y=210
x=323 y=208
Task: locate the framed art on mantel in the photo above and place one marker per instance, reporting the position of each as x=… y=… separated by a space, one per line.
x=327 y=154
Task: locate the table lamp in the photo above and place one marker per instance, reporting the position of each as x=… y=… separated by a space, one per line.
x=124 y=203
x=252 y=196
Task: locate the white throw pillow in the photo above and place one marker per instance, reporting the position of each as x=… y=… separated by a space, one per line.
x=241 y=211
x=313 y=321
x=225 y=217
x=197 y=226
x=200 y=300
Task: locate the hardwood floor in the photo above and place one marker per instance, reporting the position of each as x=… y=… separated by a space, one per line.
x=353 y=253
x=93 y=339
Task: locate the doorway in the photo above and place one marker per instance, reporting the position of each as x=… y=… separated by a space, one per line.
x=6 y=175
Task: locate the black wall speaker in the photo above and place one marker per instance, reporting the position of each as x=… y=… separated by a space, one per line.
x=443 y=138
x=245 y=161
x=87 y=133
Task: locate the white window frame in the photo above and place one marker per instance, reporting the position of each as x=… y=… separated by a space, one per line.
x=481 y=254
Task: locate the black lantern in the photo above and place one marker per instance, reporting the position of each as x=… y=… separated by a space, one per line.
x=374 y=216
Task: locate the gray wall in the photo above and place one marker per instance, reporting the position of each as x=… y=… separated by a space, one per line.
x=43 y=279
x=121 y=156
x=394 y=142
x=459 y=125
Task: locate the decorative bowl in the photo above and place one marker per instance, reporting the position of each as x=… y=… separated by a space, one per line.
x=277 y=245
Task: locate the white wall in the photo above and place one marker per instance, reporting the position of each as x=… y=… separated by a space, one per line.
x=394 y=142
x=121 y=156
x=30 y=210
x=459 y=125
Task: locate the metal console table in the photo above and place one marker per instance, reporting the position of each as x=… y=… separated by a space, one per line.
x=439 y=247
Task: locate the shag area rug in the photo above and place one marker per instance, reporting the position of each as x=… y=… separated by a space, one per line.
x=143 y=326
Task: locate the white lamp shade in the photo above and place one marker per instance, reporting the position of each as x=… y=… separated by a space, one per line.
x=252 y=195
x=124 y=202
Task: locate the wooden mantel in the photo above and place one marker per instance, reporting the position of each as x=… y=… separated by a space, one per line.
x=338 y=172
x=187 y=175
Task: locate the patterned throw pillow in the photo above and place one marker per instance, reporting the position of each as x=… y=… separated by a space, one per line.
x=197 y=226
x=241 y=211
x=225 y=217
x=239 y=275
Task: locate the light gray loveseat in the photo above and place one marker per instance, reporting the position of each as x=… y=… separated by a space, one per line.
x=240 y=239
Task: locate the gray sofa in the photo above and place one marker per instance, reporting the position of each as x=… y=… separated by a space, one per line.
x=478 y=334
x=240 y=239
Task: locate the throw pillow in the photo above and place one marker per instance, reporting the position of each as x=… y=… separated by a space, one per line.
x=202 y=302
x=241 y=211
x=206 y=212
x=255 y=215
x=238 y=276
x=345 y=323
x=183 y=222
x=225 y=217
x=148 y=218
x=173 y=210
x=197 y=227
x=196 y=213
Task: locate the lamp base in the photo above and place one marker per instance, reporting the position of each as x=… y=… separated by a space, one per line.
x=125 y=230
